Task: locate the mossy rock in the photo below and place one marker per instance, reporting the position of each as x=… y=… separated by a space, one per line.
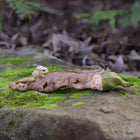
x=13 y=70
x=65 y=113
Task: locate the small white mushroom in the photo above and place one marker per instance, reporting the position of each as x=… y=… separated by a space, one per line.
x=40 y=71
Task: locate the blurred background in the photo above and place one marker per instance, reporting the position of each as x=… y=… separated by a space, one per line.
x=95 y=33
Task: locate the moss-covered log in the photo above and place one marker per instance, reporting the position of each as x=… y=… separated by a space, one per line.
x=75 y=79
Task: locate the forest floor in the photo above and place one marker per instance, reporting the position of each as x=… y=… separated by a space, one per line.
x=76 y=41
x=66 y=113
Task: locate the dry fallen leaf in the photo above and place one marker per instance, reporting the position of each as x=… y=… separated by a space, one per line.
x=56 y=43
x=14 y=38
x=119 y=65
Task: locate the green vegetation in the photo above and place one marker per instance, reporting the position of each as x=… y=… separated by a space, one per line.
x=111 y=80
x=98 y=16
x=133 y=80
x=13 y=98
x=124 y=17
x=19 y=72
x=123 y=93
x=14 y=61
x=78 y=103
x=9 y=72
x=25 y=7
x=56 y=68
x=81 y=93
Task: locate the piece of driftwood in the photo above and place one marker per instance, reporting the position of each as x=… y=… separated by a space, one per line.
x=55 y=80
x=44 y=81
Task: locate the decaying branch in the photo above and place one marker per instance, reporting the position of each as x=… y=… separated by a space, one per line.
x=44 y=81
x=58 y=79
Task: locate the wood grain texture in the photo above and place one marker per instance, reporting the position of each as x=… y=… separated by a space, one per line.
x=81 y=79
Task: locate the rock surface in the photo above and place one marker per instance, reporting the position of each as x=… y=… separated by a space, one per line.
x=101 y=116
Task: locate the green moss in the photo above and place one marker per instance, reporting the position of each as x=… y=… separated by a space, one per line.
x=81 y=93
x=55 y=68
x=78 y=103
x=123 y=93
x=49 y=106
x=111 y=80
x=11 y=123
x=9 y=72
x=77 y=69
x=4 y=84
x=29 y=99
x=12 y=98
x=14 y=61
x=134 y=80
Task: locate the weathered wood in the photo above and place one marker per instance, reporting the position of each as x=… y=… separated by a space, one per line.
x=81 y=79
